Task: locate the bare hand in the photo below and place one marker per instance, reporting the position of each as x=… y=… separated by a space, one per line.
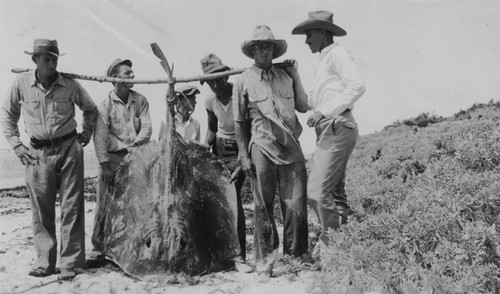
x=235 y=174
x=314 y=119
x=291 y=67
x=25 y=156
x=247 y=166
x=107 y=173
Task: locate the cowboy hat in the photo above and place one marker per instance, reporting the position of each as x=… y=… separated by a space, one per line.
x=41 y=46
x=322 y=20
x=263 y=34
x=211 y=64
x=115 y=63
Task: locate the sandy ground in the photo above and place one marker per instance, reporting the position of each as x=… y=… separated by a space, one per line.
x=17 y=254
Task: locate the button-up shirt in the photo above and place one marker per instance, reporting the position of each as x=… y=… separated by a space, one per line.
x=190 y=130
x=268 y=99
x=337 y=84
x=48 y=113
x=121 y=125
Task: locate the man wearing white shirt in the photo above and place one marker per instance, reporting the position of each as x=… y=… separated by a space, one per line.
x=337 y=85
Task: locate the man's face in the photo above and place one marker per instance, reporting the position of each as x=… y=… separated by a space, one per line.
x=186 y=106
x=263 y=54
x=46 y=64
x=314 y=38
x=218 y=85
x=126 y=72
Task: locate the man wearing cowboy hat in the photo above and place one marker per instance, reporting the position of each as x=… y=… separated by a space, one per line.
x=270 y=152
x=54 y=158
x=124 y=122
x=185 y=103
x=337 y=85
x=220 y=135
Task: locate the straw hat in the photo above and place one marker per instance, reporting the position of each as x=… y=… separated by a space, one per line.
x=41 y=46
x=263 y=34
x=319 y=20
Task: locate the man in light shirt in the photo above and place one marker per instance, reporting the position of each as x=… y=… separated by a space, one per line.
x=123 y=123
x=54 y=157
x=185 y=124
x=337 y=85
x=269 y=150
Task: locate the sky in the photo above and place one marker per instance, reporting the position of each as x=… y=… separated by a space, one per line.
x=435 y=56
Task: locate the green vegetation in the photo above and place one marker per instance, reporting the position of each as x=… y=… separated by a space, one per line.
x=428 y=209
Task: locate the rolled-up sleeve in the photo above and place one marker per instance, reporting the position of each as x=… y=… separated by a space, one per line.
x=146 y=126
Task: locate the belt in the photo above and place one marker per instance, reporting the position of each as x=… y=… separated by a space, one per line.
x=37 y=144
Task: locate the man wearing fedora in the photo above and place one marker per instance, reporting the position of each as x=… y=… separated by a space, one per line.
x=269 y=151
x=220 y=135
x=54 y=157
x=337 y=85
x=124 y=122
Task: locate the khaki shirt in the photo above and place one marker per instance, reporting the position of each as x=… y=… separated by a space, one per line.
x=268 y=100
x=121 y=125
x=48 y=113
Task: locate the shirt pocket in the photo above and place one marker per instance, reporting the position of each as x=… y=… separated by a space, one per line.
x=32 y=112
x=116 y=122
x=62 y=105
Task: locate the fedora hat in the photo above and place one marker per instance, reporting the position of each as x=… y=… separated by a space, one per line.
x=115 y=63
x=263 y=34
x=322 y=20
x=41 y=46
x=211 y=64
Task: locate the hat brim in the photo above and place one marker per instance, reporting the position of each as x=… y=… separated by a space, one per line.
x=44 y=52
x=220 y=68
x=318 y=25
x=280 y=47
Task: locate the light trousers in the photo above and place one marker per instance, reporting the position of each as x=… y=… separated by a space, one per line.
x=336 y=139
x=59 y=171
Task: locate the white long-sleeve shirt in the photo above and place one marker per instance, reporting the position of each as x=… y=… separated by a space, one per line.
x=337 y=84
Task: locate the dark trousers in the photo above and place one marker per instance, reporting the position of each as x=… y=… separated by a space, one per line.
x=291 y=181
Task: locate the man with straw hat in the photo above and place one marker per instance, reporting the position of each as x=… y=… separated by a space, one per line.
x=337 y=85
x=124 y=122
x=220 y=135
x=54 y=157
x=269 y=151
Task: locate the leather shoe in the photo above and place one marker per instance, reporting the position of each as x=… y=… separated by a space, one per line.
x=39 y=273
x=67 y=274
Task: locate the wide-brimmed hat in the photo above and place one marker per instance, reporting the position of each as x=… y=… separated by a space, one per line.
x=322 y=20
x=115 y=63
x=263 y=34
x=186 y=90
x=212 y=64
x=41 y=46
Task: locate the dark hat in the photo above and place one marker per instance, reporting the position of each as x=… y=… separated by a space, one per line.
x=263 y=34
x=186 y=90
x=115 y=63
x=322 y=20
x=41 y=46
x=211 y=64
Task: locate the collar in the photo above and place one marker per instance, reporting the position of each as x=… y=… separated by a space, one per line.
x=115 y=97
x=260 y=72
x=178 y=117
x=328 y=49
x=60 y=79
